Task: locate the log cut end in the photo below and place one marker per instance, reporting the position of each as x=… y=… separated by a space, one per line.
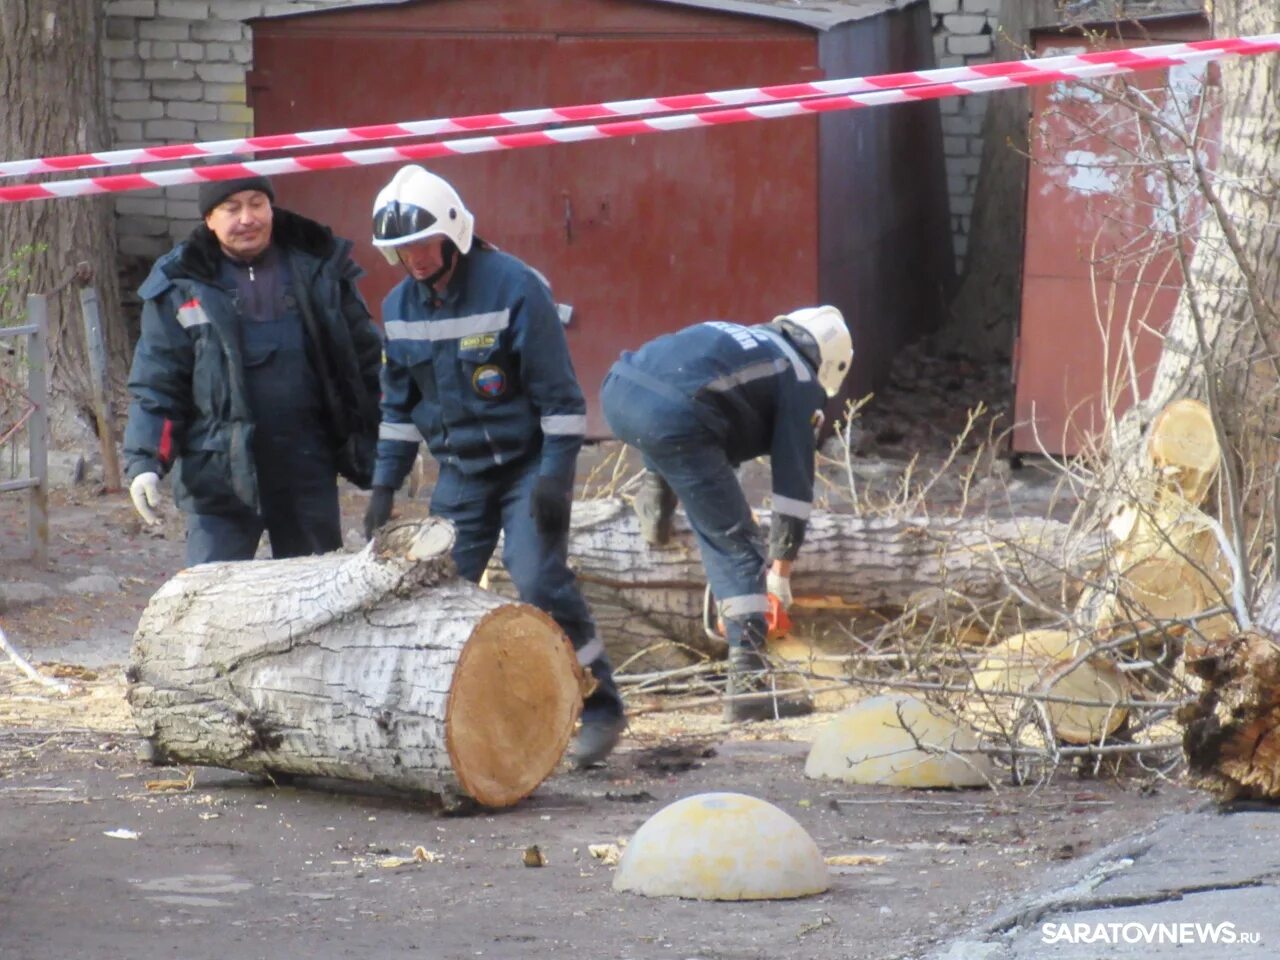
x=515 y=698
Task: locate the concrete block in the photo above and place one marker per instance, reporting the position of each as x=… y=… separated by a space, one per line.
x=125 y=69
x=164 y=30
x=970 y=46
x=178 y=209
x=127 y=133
x=217 y=52
x=955 y=146
x=225 y=92
x=119 y=49
x=944 y=6
x=964 y=23
x=137 y=205
x=219 y=30
x=164 y=130
x=235 y=113
x=192 y=51
x=138 y=110
x=168 y=70
x=985 y=6
x=237 y=9
x=164 y=50
x=184 y=9
x=121 y=28
x=179 y=230
x=143 y=226
x=220 y=72
x=131 y=8
x=191 y=90
x=130 y=90
x=181 y=110
x=216 y=130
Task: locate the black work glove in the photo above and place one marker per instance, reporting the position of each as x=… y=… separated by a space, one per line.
x=379 y=510
x=550 y=507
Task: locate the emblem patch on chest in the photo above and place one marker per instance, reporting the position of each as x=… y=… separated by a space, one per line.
x=489 y=381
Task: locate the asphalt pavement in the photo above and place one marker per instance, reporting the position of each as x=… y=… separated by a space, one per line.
x=1197 y=886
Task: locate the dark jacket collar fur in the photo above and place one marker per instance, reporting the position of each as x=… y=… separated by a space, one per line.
x=201 y=254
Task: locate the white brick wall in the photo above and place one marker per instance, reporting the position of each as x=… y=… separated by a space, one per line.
x=176 y=70
x=963 y=33
x=176 y=74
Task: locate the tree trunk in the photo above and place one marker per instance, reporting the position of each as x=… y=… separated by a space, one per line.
x=53 y=101
x=648 y=602
x=381 y=666
x=984 y=311
x=1223 y=341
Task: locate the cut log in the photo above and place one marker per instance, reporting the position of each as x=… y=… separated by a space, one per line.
x=1232 y=730
x=1080 y=700
x=382 y=666
x=648 y=601
x=1184 y=450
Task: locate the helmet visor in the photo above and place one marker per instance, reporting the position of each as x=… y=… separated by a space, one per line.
x=397 y=220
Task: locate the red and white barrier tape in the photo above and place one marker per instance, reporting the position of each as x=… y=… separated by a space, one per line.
x=1012 y=75
x=1134 y=59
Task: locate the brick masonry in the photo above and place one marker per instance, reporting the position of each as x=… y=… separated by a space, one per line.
x=177 y=67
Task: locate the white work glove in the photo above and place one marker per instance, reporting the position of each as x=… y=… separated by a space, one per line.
x=780 y=587
x=145 y=494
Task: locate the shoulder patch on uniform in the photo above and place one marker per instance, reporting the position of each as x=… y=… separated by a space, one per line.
x=191 y=314
x=489 y=381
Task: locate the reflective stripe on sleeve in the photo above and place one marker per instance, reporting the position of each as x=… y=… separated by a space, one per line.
x=399 y=431
x=590 y=651
x=792 y=508
x=564 y=425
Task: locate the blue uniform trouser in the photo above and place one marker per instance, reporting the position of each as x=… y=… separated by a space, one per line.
x=300 y=523
x=498 y=501
x=672 y=436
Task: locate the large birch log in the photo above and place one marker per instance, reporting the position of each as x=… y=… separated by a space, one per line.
x=648 y=602
x=382 y=666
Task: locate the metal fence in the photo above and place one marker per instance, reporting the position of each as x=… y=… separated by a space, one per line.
x=33 y=414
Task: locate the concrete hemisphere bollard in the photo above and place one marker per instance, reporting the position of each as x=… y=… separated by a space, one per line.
x=722 y=846
x=898 y=741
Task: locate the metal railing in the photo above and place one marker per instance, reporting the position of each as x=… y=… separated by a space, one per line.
x=36 y=419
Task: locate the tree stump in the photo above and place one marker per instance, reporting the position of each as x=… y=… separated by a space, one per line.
x=1232 y=735
x=382 y=666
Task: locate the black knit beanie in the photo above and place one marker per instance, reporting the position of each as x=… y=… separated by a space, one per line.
x=214 y=192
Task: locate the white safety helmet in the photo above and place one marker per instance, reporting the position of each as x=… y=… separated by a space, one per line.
x=821 y=335
x=417 y=204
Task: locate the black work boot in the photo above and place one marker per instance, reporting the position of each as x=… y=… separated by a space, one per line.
x=603 y=718
x=655 y=505
x=752 y=690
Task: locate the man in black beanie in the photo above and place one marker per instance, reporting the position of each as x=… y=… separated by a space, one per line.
x=255 y=379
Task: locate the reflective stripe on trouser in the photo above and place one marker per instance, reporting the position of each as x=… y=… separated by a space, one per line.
x=671 y=435
x=482 y=506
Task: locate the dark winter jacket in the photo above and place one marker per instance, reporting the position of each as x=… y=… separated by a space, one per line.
x=481 y=372
x=190 y=408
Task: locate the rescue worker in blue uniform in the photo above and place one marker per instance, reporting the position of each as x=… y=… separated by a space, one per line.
x=696 y=404
x=478 y=366
x=255 y=379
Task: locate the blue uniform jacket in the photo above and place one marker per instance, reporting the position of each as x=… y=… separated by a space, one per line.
x=752 y=390
x=481 y=372
x=190 y=409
